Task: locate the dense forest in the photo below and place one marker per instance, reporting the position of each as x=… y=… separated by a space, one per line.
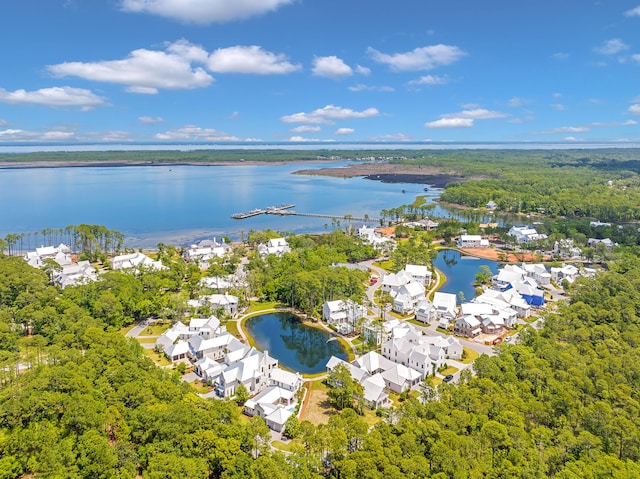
x=78 y=400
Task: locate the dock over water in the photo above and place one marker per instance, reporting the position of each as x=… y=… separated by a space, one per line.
x=285 y=210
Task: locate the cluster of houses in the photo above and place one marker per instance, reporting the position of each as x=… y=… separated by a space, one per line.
x=68 y=271
x=205 y=251
x=407 y=357
x=222 y=360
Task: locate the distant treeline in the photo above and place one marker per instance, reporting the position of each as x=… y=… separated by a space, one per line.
x=198 y=156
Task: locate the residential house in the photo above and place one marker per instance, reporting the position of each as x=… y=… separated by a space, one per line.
x=393 y=281
x=472 y=241
x=526 y=234
x=407 y=297
x=226 y=301
x=135 y=261
x=565 y=248
x=61 y=254
x=446 y=310
x=274 y=405
x=401 y=378
x=285 y=380
x=606 y=243
x=508 y=301
x=344 y=314
x=419 y=273
x=468 y=326
x=375 y=238
x=252 y=371
x=568 y=272
x=205 y=251
x=425 y=311
x=375 y=392
x=275 y=246
x=75 y=274
x=538 y=272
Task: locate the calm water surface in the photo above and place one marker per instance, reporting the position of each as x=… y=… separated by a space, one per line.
x=181 y=204
x=296 y=346
x=461 y=272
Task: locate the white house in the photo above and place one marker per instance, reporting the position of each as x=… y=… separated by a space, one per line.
x=472 y=241
x=272 y=404
x=205 y=251
x=61 y=254
x=419 y=273
x=407 y=297
x=538 y=272
x=252 y=370
x=374 y=238
x=568 y=272
x=343 y=314
x=276 y=246
x=135 y=261
x=75 y=274
x=606 y=242
x=393 y=281
x=526 y=234
x=226 y=301
x=446 y=310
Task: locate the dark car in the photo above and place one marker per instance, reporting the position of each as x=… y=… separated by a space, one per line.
x=448 y=378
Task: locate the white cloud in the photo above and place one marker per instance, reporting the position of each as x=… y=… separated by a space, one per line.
x=3 y=122
x=566 y=129
x=635 y=109
x=195 y=133
x=344 y=131
x=148 y=120
x=363 y=70
x=450 y=123
x=634 y=12
x=301 y=139
x=614 y=123
x=392 y=137
x=306 y=129
x=331 y=67
x=423 y=58
x=249 y=59
x=329 y=114
x=476 y=114
x=430 y=80
x=571 y=138
x=611 y=47
x=144 y=71
x=65 y=96
x=636 y=58
x=362 y=87
x=203 y=11
x=22 y=135
x=558 y=106
x=560 y=56
x=516 y=102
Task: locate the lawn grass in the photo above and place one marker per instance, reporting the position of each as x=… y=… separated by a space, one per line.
x=262 y=306
x=158 y=358
x=156 y=329
x=232 y=328
x=201 y=387
x=126 y=329
x=318 y=408
x=386 y=265
x=470 y=355
x=282 y=446
x=449 y=370
x=147 y=340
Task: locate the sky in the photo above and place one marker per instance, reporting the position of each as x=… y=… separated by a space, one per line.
x=289 y=71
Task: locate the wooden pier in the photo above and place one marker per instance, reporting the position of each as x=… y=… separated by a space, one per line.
x=318 y=215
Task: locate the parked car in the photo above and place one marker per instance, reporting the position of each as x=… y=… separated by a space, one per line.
x=448 y=378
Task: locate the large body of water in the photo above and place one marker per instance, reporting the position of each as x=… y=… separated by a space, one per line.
x=295 y=345
x=461 y=272
x=181 y=204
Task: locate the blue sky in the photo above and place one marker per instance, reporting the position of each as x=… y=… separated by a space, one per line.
x=190 y=71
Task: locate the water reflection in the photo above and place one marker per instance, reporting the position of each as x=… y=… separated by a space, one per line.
x=296 y=345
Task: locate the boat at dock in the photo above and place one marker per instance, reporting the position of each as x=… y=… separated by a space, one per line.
x=249 y=214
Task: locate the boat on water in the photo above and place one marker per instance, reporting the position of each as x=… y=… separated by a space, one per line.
x=240 y=216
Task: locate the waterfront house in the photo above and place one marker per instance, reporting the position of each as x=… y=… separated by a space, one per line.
x=407 y=297
x=61 y=254
x=252 y=371
x=526 y=234
x=375 y=238
x=472 y=241
x=343 y=314
x=205 y=251
x=135 y=261
x=419 y=273
x=275 y=246
x=274 y=404
x=226 y=301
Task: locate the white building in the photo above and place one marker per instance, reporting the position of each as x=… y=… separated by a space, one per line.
x=276 y=246
x=472 y=241
x=135 y=261
x=526 y=234
x=343 y=314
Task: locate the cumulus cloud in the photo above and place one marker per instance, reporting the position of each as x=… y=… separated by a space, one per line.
x=331 y=67
x=450 y=123
x=144 y=71
x=203 y=11
x=423 y=58
x=635 y=109
x=634 y=12
x=306 y=129
x=344 y=131
x=464 y=118
x=65 y=96
x=148 y=120
x=195 y=133
x=249 y=59
x=363 y=70
x=301 y=139
x=636 y=58
x=614 y=123
x=611 y=47
x=329 y=114
x=558 y=106
x=429 y=80
x=560 y=56
x=362 y=87
x=516 y=102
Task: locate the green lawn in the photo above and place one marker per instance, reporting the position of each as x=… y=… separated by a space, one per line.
x=262 y=306
x=470 y=356
x=156 y=329
x=147 y=340
x=158 y=358
x=449 y=370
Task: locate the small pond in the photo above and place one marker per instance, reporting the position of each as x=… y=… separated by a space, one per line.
x=297 y=346
x=461 y=272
